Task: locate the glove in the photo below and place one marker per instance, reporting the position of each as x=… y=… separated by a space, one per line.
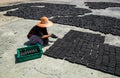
x=53 y=36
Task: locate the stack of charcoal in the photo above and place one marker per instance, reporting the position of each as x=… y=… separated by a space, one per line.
x=87 y=49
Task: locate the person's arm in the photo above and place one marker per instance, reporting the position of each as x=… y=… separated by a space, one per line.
x=46 y=36
x=49 y=35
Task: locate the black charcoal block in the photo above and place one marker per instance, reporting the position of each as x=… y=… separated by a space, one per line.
x=112 y=63
x=117 y=71
x=104 y=68
x=111 y=70
x=99 y=60
x=107 y=48
x=118 y=64
x=105 y=60
x=112 y=49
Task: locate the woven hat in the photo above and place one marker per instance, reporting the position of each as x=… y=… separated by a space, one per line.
x=44 y=22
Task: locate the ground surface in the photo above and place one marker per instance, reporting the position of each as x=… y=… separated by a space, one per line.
x=13 y=32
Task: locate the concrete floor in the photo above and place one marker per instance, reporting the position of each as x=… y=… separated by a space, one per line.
x=13 y=32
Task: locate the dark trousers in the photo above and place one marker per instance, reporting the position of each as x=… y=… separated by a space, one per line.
x=45 y=41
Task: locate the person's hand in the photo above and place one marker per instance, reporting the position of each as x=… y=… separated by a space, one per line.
x=53 y=36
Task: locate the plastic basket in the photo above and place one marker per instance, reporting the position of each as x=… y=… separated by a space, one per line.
x=29 y=53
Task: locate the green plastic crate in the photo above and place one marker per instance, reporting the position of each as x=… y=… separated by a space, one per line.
x=29 y=53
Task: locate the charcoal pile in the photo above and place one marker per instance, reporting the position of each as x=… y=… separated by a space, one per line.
x=37 y=10
x=87 y=49
x=104 y=24
x=101 y=5
x=68 y=16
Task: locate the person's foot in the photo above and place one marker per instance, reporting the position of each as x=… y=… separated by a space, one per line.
x=54 y=36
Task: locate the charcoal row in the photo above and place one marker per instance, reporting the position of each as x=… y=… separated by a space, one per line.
x=101 y=5
x=87 y=49
x=4 y=8
x=37 y=10
x=92 y=5
x=104 y=24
